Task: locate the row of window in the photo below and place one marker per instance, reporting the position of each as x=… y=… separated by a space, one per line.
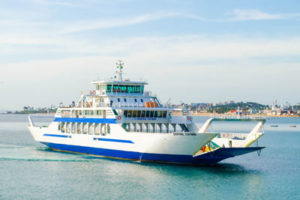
x=135 y=100
x=103 y=129
x=155 y=127
x=84 y=128
x=83 y=113
x=145 y=114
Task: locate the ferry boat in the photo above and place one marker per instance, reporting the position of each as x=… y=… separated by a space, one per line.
x=119 y=119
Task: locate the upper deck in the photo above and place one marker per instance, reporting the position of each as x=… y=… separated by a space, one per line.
x=124 y=102
x=119 y=93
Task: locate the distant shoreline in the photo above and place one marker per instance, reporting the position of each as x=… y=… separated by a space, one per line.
x=206 y=114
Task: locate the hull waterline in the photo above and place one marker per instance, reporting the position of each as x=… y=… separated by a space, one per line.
x=204 y=159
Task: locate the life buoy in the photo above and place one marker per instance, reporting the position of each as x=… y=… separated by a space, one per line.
x=92 y=92
x=119 y=117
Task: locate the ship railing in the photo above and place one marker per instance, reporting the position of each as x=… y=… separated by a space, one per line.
x=146 y=94
x=81 y=116
x=236 y=136
x=124 y=94
x=239 y=117
x=128 y=105
x=141 y=105
x=119 y=105
x=103 y=104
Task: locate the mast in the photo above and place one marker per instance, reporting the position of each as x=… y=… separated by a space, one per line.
x=119 y=71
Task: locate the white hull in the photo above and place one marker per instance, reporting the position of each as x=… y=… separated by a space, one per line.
x=156 y=143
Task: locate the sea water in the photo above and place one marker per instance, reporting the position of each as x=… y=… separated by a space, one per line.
x=29 y=170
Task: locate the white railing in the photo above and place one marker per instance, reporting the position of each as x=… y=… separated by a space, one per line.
x=237 y=136
x=244 y=117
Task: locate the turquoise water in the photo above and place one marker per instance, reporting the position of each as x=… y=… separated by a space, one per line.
x=29 y=170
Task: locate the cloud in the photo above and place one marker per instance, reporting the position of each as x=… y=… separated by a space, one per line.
x=191 y=48
x=247 y=15
x=113 y=23
x=25 y=39
x=78 y=3
x=202 y=48
x=56 y=3
x=181 y=49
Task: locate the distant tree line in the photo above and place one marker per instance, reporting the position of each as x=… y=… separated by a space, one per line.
x=42 y=110
x=242 y=106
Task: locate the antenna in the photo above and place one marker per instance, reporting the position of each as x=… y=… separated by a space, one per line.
x=119 y=71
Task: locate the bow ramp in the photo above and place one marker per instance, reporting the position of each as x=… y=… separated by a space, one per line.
x=231 y=144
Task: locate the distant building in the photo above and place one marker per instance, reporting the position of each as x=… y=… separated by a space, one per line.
x=28 y=108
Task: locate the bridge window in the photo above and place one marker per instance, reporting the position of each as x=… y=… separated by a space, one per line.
x=125 y=88
x=108 y=88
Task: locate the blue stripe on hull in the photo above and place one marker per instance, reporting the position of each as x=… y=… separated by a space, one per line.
x=147 y=157
x=55 y=135
x=114 y=140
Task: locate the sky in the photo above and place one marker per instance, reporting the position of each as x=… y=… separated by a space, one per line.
x=188 y=51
